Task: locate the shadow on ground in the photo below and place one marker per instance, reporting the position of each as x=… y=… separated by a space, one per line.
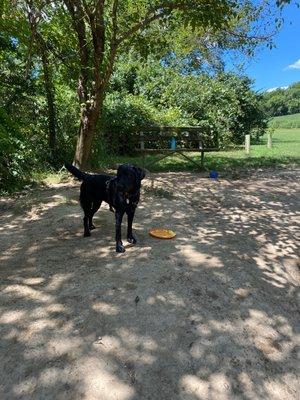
x=217 y=313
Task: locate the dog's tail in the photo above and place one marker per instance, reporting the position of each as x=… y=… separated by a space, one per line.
x=82 y=176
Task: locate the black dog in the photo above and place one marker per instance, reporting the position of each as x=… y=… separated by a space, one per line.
x=122 y=193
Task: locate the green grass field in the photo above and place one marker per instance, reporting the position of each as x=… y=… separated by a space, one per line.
x=286 y=121
x=285 y=151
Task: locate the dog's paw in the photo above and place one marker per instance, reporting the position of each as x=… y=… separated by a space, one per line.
x=131 y=239
x=87 y=234
x=120 y=248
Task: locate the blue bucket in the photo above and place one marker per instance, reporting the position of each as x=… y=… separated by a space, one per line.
x=173 y=143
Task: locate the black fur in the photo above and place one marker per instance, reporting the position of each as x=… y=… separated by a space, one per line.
x=122 y=193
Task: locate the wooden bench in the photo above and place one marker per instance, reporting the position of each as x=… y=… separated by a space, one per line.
x=188 y=139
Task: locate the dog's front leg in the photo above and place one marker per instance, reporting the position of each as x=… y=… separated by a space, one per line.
x=130 y=237
x=119 y=245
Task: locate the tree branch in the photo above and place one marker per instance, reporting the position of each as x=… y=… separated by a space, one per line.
x=99 y=37
x=112 y=47
x=109 y=67
x=77 y=13
x=114 y=43
x=95 y=18
x=249 y=38
x=114 y=22
x=166 y=9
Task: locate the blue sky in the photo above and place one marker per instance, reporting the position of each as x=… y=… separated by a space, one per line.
x=281 y=65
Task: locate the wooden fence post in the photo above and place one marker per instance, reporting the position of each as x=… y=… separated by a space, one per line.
x=270 y=140
x=247 y=144
x=142 y=142
x=201 y=150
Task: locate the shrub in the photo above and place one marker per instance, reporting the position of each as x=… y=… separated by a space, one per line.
x=16 y=156
x=122 y=114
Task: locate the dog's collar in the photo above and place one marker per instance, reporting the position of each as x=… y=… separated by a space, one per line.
x=108 y=182
x=127 y=197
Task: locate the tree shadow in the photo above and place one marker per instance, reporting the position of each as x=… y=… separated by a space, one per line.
x=211 y=314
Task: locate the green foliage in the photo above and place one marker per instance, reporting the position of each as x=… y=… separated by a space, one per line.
x=122 y=113
x=68 y=117
x=16 y=156
x=224 y=105
x=282 y=101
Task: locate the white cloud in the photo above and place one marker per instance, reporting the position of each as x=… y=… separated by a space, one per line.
x=275 y=88
x=296 y=65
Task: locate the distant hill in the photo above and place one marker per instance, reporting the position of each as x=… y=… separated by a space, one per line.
x=286 y=121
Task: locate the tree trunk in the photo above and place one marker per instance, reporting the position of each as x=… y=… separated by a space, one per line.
x=88 y=122
x=49 y=90
x=84 y=141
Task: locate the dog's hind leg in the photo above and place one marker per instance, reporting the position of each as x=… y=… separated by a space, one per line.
x=95 y=208
x=87 y=207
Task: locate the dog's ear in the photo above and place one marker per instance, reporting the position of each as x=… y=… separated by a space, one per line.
x=140 y=172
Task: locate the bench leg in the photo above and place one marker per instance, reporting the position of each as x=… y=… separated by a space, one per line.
x=189 y=158
x=144 y=159
x=159 y=159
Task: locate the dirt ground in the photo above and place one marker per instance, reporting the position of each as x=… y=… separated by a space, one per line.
x=217 y=316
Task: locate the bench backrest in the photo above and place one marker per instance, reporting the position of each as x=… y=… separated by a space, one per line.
x=160 y=134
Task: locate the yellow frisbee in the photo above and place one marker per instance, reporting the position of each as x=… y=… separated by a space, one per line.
x=162 y=233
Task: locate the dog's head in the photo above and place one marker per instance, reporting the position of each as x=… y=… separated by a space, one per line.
x=129 y=178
